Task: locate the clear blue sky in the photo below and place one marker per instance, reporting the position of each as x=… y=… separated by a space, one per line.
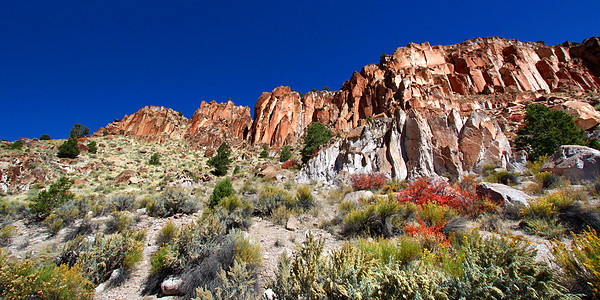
x=65 y=62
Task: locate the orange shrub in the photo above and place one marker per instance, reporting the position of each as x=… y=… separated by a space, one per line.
x=425 y=190
x=368 y=181
x=290 y=164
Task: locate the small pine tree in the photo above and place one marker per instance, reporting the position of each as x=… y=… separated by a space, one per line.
x=286 y=154
x=154 y=159
x=545 y=130
x=223 y=189
x=92 y=147
x=46 y=200
x=16 y=145
x=68 y=149
x=264 y=153
x=79 y=131
x=316 y=135
x=220 y=161
x=44 y=137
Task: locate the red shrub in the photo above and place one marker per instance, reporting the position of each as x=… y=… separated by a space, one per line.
x=515 y=118
x=289 y=164
x=367 y=181
x=425 y=190
x=433 y=234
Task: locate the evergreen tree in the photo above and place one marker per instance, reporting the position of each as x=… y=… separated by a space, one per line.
x=220 y=161
x=286 y=154
x=222 y=189
x=79 y=131
x=68 y=149
x=316 y=135
x=92 y=147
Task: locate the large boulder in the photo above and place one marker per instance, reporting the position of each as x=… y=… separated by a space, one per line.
x=584 y=114
x=578 y=163
x=511 y=199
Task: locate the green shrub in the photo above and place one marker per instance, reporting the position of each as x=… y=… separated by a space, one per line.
x=269 y=198
x=119 y=221
x=199 y=253
x=79 y=131
x=154 y=159
x=46 y=200
x=222 y=189
x=237 y=283
x=316 y=135
x=374 y=219
x=167 y=234
x=121 y=203
x=580 y=263
x=171 y=202
x=6 y=234
x=388 y=251
x=68 y=149
x=44 y=137
x=547 y=179
x=220 y=161
x=25 y=280
x=233 y=212
x=16 y=145
x=545 y=130
x=497 y=267
x=286 y=154
x=264 y=154
x=304 y=199
x=543 y=215
x=503 y=177
x=92 y=147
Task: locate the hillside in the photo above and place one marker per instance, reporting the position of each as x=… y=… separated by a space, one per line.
x=421 y=191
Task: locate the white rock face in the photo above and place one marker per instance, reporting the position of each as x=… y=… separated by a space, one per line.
x=411 y=146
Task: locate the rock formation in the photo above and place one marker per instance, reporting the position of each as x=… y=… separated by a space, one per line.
x=443 y=109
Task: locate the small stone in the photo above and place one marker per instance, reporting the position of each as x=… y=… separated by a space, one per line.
x=292 y=224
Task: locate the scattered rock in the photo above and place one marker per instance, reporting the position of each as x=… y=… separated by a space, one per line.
x=292 y=223
x=578 y=163
x=135 y=180
x=355 y=197
x=125 y=176
x=269 y=295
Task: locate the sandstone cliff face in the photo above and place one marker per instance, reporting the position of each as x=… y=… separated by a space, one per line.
x=214 y=123
x=424 y=77
x=210 y=125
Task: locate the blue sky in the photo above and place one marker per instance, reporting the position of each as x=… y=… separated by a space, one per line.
x=66 y=62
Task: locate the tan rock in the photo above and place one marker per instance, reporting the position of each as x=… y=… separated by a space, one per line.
x=584 y=115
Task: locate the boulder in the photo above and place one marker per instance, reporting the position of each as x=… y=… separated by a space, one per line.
x=292 y=223
x=125 y=176
x=584 y=114
x=172 y=286
x=578 y=163
x=355 y=197
x=511 y=199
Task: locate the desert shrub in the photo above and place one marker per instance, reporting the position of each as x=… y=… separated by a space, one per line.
x=542 y=216
x=102 y=255
x=25 y=280
x=580 y=263
x=119 y=221
x=171 y=202
x=536 y=166
x=503 y=177
x=237 y=283
x=368 y=181
x=316 y=135
x=415 y=282
x=44 y=137
x=392 y=186
x=233 y=212
x=79 y=131
x=167 y=234
x=290 y=164
x=6 y=234
x=46 y=200
x=121 y=203
x=68 y=149
x=92 y=147
x=236 y=170
x=222 y=189
x=547 y=179
x=263 y=154
x=545 y=130
x=154 y=159
x=304 y=199
x=286 y=154
x=199 y=253
x=220 y=161
x=281 y=214
x=269 y=198
x=496 y=267
x=400 y=251
x=372 y=219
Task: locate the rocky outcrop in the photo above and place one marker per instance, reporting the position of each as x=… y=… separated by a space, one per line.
x=423 y=77
x=578 y=163
x=151 y=123
x=20 y=172
x=584 y=115
x=210 y=125
x=511 y=199
x=214 y=123
x=412 y=145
